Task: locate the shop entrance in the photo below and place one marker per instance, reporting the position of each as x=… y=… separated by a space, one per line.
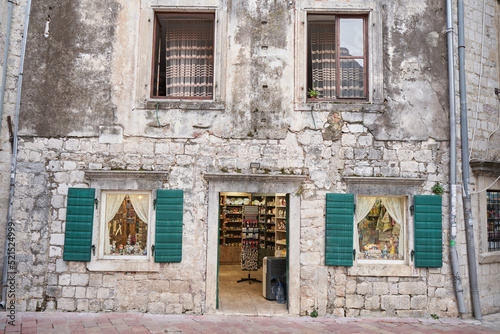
x=253 y=253
x=260 y=184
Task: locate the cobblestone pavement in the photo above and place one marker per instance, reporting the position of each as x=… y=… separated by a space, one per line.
x=30 y=322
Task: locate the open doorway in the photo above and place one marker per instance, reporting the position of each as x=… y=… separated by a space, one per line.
x=252 y=251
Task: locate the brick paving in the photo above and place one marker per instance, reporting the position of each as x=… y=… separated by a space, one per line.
x=130 y=323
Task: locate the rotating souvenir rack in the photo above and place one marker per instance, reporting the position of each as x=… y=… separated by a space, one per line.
x=250 y=242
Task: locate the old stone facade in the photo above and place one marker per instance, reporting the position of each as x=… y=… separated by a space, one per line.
x=87 y=120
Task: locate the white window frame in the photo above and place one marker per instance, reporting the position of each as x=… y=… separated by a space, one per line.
x=102 y=227
x=404 y=235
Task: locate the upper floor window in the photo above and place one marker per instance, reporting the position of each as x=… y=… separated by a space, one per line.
x=337 y=56
x=183 y=59
x=493 y=214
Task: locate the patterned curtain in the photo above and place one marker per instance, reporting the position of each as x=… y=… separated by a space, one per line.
x=322 y=45
x=190 y=58
x=351 y=78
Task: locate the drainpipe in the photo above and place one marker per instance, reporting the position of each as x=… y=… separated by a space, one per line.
x=5 y=60
x=469 y=227
x=3 y=303
x=455 y=265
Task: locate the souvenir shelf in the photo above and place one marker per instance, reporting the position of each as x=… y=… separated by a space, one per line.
x=230 y=226
x=280 y=236
x=493 y=215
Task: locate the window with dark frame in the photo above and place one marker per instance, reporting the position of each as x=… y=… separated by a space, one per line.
x=183 y=56
x=337 y=56
x=493 y=216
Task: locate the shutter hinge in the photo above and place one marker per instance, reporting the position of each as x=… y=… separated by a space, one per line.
x=412 y=209
x=354 y=207
x=154 y=204
x=412 y=255
x=93 y=249
x=96 y=202
x=354 y=254
x=153 y=250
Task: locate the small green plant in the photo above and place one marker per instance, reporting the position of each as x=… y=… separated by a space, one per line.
x=312 y=93
x=434 y=316
x=437 y=189
x=224 y=170
x=314 y=313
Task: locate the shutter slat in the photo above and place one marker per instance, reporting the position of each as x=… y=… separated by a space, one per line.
x=339 y=229
x=169 y=215
x=79 y=223
x=428 y=231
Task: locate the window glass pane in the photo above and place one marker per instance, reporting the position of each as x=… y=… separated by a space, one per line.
x=351 y=78
x=351 y=37
x=380 y=228
x=126 y=229
x=493 y=214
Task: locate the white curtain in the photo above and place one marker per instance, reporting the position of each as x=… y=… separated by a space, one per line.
x=395 y=207
x=140 y=202
x=364 y=205
x=113 y=203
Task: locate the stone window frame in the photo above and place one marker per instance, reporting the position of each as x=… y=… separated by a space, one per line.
x=143 y=99
x=104 y=181
x=375 y=53
x=485 y=172
x=387 y=186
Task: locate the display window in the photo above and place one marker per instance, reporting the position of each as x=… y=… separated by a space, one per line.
x=125 y=224
x=381 y=228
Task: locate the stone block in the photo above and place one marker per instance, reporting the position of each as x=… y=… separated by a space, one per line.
x=82 y=305
x=68 y=292
x=372 y=302
x=103 y=293
x=91 y=293
x=354 y=301
x=80 y=292
x=55 y=251
x=339 y=302
x=64 y=279
x=412 y=288
x=340 y=291
x=339 y=312
x=373 y=314
x=364 y=288
x=95 y=280
x=350 y=287
x=352 y=312
x=348 y=140
x=66 y=304
x=419 y=302
x=397 y=302
x=109 y=281
x=380 y=288
x=436 y=280
x=79 y=279
x=170 y=298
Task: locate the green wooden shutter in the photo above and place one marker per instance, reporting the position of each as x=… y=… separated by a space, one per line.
x=428 y=231
x=168 y=237
x=339 y=229
x=79 y=222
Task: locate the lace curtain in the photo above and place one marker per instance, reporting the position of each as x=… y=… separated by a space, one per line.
x=189 y=58
x=322 y=45
x=395 y=207
x=113 y=203
x=140 y=202
x=364 y=205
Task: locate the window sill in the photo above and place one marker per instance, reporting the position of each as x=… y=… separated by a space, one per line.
x=123 y=265
x=491 y=257
x=381 y=269
x=190 y=104
x=318 y=105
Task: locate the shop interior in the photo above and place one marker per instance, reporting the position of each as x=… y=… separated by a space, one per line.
x=252 y=253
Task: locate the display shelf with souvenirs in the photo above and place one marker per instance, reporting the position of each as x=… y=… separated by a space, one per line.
x=231 y=207
x=127 y=233
x=280 y=227
x=379 y=232
x=493 y=216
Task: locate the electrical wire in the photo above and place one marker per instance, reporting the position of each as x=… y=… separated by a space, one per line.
x=488 y=187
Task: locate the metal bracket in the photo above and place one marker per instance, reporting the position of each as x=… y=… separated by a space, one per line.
x=93 y=249
x=96 y=202
x=153 y=250
x=412 y=255
x=355 y=208
x=412 y=210
x=154 y=204
x=354 y=253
